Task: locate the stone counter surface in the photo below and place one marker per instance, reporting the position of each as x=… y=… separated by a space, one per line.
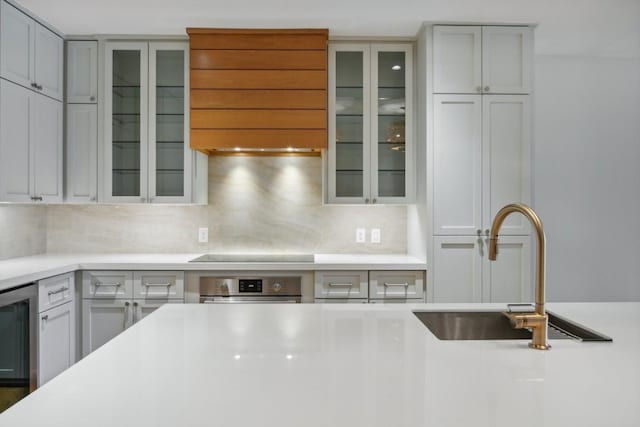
x=337 y=365
x=19 y=271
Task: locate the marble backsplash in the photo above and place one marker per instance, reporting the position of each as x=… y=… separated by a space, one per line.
x=23 y=230
x=256 y=204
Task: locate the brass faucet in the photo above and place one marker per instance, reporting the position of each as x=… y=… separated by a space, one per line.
x=537 y=321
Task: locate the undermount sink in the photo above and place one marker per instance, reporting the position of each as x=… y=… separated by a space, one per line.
x=494 y=325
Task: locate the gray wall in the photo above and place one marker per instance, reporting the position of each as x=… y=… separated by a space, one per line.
x=256 y=204
x=587 y=175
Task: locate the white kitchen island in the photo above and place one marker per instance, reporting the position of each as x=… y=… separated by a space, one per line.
x=341 y=365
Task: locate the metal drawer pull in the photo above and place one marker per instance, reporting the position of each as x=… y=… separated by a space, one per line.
x=158 y=284
x=341 y=284
x=404 y=285
x=45 y=317
x=58 y=291
x=108 y=284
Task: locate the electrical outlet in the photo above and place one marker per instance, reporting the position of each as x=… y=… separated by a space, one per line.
x=375 y=235
x=203 y=235
x=361 y=235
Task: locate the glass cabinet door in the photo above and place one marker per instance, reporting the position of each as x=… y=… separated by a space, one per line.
x=391 y=122
x=126 y=122
x=169 y=164
x=349 y=127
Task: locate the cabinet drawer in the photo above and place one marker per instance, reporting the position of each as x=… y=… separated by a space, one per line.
x=158 y=284
x=341 y=284
x=396 y=284
x=55 y=291
x=107 y=284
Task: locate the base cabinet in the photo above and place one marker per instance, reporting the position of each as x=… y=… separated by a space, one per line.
x=56 y=326
x=462 y=272
x=115 y=300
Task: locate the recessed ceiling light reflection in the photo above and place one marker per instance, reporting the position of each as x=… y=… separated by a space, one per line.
x=396 y=67
x=237 y=149
x=237 y=357
x=289 y=356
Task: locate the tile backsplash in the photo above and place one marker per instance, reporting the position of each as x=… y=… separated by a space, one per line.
x=23 y=230
x=256 y=204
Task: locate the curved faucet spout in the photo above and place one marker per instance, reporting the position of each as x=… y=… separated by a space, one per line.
x=525 y=210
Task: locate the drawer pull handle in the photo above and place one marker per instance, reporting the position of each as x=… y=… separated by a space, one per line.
x=58 y=291
x=158 y=284
x=404 y=285
x=108 y=284
x=341 y=284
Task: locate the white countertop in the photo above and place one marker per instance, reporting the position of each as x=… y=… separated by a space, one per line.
x=18 y=271
x=337 y=365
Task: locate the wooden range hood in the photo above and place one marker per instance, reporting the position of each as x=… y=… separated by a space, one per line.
x=258 y=90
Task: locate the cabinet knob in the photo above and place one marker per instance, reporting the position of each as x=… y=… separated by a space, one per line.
x=366 y=200
x=487 y=231
x=479 y=232
x=142 y=199
x=479 y=89
x=92 y=199
x=374 y=201
x=92 y=98
x=126 y=304
x=486 y=88
x=45 y=317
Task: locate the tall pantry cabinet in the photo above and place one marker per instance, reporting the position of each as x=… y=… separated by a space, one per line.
x=30 y=109
x=480 y=160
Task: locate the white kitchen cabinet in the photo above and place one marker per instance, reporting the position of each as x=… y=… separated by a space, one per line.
x=56 y=326
x=102 y=320
x=30 y=145
x=114 y=300
x=401 y=285
x=81 y=166
x=30 y=54
x=457 y=164
x=341 y=284
x=482 y=59
x=481 y=162
x=370 y=155
x=147 y=158
x=462 y=273
x=82 y=72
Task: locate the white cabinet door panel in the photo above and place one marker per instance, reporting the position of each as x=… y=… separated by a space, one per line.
x=82 y=153
x=16 y=103
x=457 y=171
x=341 y=284
x=506 y=158
x=17 y=32
x=102 y=320
x=107 y=284
x=82 y=72
x=457 y=269
x=457 y=59
x=143 y=308
x=56 y=341
x=396 y=284
x=158 y=284
x=506 y=56
x=46 y=130
x=55 y=291
x=508 y=278
x=48 y=62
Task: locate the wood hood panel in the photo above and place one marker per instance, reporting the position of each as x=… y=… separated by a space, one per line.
x=258 y=90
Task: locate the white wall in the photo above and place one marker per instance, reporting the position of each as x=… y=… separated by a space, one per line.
x=23 y=230
x=587 y=175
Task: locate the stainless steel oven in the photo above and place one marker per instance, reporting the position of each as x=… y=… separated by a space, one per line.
x=250 y=289
x=18 y=343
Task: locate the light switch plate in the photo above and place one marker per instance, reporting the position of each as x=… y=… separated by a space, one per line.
x=375 y=235
x=203 y=235
x=361 y=235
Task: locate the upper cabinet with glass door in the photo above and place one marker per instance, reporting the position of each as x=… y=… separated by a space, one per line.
x=370 y=123
x=147 y=154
